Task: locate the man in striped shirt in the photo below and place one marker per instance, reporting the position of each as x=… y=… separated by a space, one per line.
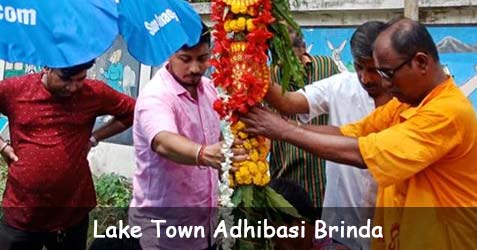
x=286 y=160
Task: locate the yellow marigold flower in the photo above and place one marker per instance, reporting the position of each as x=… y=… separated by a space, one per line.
x=227 y=26
x=253 y=168
x=265 y=179
x=253 y=155
x=246 y=144
x=248 y=180
x=241 y=23
x=243 y=9
x=239 y=179
x=250 y=25
x=254 y=142
x=235 y=8
x=242 y=135
x=258 y=179
x=238 y=125
x=232 y=24
x=262 y=167
x=243 y=171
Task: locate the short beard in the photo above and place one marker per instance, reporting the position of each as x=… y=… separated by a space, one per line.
x=185 y=84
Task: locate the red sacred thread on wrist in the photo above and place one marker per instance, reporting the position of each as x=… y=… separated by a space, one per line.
x=200 y=157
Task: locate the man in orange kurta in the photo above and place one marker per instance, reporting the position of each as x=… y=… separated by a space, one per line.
x=421 y=147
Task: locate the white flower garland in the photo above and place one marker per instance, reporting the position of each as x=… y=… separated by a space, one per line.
x=225 y=192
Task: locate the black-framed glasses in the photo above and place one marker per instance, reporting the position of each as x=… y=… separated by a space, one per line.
x=389 y=73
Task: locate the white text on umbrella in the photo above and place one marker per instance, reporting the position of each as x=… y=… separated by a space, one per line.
x=13 y=15
x=160 y=21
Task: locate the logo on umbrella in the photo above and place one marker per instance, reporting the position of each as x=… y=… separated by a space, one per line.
x=160 y=21
x=22 y=16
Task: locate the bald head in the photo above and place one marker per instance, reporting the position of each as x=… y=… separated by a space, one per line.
x=407 y=37
x=406 y=58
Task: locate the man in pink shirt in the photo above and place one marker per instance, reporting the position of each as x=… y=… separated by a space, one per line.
x=176 y=137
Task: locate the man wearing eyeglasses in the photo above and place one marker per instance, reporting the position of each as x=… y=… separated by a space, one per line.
x=346 y=97
x=49 y=190
x=420 y=147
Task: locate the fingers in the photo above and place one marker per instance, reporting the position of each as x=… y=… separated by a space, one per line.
x=240 y=154
x=234 y=169
x=9 y=154
x=237 y=141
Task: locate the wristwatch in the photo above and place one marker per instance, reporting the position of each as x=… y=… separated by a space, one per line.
x=93 y=141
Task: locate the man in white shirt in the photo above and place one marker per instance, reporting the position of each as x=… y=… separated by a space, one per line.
x=346 y=97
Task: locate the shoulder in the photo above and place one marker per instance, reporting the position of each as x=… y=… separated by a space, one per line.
x=156 y=92
x=344 y=81
x=22 y=80
x=96 y=87
x=452 y=105
x=322 y=59
x=21 y=84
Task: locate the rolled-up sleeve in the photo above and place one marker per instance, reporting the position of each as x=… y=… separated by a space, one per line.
x=403 y=150
x=317 y=94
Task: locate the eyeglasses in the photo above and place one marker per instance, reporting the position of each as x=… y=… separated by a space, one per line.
x=389 y=73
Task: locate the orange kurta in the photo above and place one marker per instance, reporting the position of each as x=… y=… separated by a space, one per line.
x=424 y=156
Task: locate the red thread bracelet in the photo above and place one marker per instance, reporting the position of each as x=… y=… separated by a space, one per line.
x=201 y=155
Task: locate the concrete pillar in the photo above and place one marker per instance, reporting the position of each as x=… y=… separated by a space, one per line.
x=411 y=9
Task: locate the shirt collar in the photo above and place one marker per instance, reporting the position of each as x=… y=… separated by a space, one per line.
x=406 y=114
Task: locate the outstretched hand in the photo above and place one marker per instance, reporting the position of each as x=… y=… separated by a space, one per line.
x=262 y=121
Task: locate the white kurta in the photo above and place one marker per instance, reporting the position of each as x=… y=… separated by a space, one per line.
x=351 y=189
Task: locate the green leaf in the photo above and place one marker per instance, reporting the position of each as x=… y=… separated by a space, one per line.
x=259 y=197
x=247 y=195
x=237 y=196
x=278 y=202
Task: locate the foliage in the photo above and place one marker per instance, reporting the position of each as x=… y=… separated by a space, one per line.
x=281 y=45
x=255 y=204
x=113 y=194
x=3 y=177
x=113 y=190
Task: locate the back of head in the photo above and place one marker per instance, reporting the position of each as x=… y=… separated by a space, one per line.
x=409 y=37
x=363 y=38
x=296 y=38
x=68 y=72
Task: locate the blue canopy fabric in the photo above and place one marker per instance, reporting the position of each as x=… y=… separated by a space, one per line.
x=56 y=33
x=154 y=30
x=63 y=33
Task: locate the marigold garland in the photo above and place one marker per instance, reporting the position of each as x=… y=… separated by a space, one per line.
x=241 y=74
x=240 y=62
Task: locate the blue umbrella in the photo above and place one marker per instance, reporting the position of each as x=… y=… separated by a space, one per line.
x=62 y=33
x=56 y=33
x=154 y=30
